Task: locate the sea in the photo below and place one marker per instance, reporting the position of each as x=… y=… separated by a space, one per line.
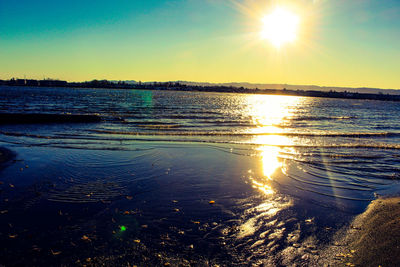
x=189 y=178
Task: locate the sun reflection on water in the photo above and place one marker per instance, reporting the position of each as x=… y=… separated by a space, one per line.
x=270 y=161
x=263 y=226
x=270 y=164
x=268 y=114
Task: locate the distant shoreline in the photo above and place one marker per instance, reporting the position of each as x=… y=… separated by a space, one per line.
x=172 y=86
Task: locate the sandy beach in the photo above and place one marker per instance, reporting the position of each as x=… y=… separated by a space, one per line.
x=372 y=239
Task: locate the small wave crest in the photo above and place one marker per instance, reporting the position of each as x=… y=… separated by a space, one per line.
x=320 y=118
x=225 y=133
x=103 y=138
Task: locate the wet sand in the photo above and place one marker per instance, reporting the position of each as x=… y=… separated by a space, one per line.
x=159 y=204
x=373 y=238
x=186 y=205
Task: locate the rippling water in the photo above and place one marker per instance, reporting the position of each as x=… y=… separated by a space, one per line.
x=284 y=172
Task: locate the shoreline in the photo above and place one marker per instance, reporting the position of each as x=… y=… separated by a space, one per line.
x=372 y=239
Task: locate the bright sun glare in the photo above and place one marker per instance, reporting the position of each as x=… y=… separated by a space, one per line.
x=280 y=27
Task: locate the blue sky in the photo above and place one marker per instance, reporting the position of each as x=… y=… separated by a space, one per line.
x=345 y=43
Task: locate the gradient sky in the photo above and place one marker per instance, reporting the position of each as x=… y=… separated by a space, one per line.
x=341 y=43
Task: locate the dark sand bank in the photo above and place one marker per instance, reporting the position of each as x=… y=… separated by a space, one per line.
x=5 y=156
x=373 y=238
x=18 y=118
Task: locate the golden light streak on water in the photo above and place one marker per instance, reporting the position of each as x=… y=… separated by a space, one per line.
x=266 y=113
x=270 y=110
x=270 y=161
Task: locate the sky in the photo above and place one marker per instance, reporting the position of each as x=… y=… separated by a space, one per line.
x=339 y=43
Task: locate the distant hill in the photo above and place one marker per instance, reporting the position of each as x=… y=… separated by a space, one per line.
x=365 y=90
x=298 y=87
x=247 y=88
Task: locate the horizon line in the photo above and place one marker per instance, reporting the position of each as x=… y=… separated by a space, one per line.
x=212 y=83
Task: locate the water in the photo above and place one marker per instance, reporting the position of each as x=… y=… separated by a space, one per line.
x=285 y=174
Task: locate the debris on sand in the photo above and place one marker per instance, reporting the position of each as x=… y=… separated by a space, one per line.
x=372 y=239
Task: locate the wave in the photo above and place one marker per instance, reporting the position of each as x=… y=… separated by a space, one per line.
x=102 y=146
x=320 y=118
x=107 y=137
x=224 y=133
x=205 y=117
x=158 y=126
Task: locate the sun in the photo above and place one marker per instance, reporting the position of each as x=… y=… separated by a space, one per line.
x=280 y=27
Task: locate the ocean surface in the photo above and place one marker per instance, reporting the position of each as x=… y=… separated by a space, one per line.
x=189 y=178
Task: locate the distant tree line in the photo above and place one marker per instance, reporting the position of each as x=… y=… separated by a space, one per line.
x=31 y=82
x=176 y=86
